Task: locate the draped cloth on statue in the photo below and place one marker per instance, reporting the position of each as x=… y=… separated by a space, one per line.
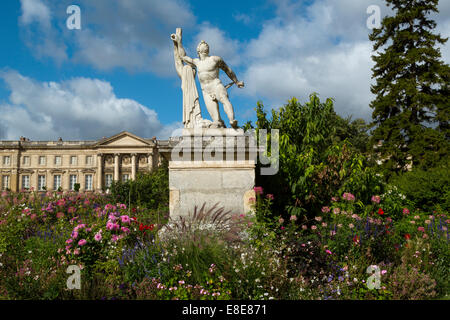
x=191 y=107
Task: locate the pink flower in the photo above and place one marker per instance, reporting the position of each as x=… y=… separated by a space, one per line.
x=375 y=199
x=427 y=221
x=33 y=216
x=114 y=238
x=405 y=211
x=412 y=221
x=74 y=234
x=425 y=236
x=383 y=271
x=69 y=241
x=98 y=237
x=125 y=229
x=269 y=196
x=313 y=227
x=422 y=229
x=59 y=215
x=336 y=210
x=334 y=199
x=109 y=225
x=324 y=224
x=82 y=242
x=281 y=220
x=416 y=217
x=258 y=190
x=318 y=218
x=252 y=199
x=293 y=218
x=282 y=228
x=125 y=219
x=328 y=251
x=304 y=227
x=351 y=226
x=76 y=251
x=348 y=196
x=325 y=209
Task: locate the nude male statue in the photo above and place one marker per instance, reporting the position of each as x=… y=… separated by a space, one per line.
x=208 y=74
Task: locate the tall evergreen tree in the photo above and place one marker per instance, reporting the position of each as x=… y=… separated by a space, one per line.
x=411 y=107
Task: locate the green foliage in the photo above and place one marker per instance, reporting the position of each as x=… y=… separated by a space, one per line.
x=412 y=88
x=149 y=190
x=314 y=163
x=427 y=189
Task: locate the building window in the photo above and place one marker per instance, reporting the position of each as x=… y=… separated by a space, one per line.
x=42 y=160
x=73 y=181
x=41 y=183
x=6 y=160
x=125 y=177
x=88 y=182
x=26 y=160
x=56 y=182
x=89 y=160
x=73 y=160
x=108 y=180
x=58 y=160
x=25 y=182
x=5 y=182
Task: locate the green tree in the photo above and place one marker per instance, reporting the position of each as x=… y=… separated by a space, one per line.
x=411 y=107
x=149 y=190
x=314 y=163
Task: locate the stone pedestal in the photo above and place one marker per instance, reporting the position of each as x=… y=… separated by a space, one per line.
x=211 y=166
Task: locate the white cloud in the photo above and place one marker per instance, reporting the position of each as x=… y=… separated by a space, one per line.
x=79 y=108
x=323 y=48
x=38 y=32
x=35 y=11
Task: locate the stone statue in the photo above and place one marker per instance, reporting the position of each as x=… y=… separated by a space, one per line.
x=213 y=89
x=191 y=108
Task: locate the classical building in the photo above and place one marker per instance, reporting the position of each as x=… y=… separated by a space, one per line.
x=94 y=165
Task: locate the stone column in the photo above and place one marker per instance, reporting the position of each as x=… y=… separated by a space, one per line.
x=36 y=188
x=133 y=166
x=81 y=180
x=150 y=162
x=99 y=172
x=116 y=167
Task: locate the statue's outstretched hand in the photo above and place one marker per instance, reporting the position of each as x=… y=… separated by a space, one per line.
x=175 y=38
x=240 y=84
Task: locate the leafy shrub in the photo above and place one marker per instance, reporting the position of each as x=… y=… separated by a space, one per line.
x=427 y=189
x=150 y=190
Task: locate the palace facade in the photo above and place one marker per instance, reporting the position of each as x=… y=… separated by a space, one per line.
x=61 y=165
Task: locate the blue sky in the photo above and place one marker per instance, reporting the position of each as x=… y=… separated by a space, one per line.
x=117 y=72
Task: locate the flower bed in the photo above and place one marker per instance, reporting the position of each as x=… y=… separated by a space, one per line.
x=348 y=250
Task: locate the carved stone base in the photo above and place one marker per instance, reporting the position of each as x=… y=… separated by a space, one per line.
x=205 y=175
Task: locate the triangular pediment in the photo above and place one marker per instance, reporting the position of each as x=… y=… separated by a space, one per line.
x=124 y=139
